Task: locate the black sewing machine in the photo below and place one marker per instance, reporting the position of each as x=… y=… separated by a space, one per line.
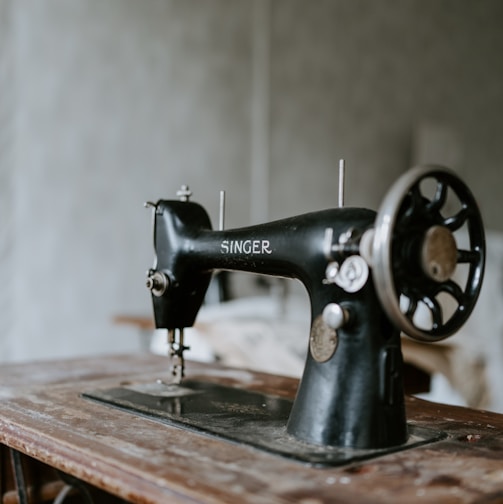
x=369 y=276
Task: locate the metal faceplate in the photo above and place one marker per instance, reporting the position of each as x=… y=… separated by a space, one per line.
x=235 y=415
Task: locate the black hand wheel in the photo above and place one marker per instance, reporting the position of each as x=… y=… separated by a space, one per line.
x=415 y=253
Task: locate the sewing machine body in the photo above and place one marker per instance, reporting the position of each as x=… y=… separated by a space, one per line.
x=356 y=266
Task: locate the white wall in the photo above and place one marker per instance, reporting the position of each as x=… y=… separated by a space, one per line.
x=108 y=103
x=356 y=79
x=7 y=226
x=118 y=102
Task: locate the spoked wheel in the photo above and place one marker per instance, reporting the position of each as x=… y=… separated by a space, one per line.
x=416 y=259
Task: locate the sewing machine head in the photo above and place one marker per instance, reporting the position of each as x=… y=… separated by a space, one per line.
x=368 y=275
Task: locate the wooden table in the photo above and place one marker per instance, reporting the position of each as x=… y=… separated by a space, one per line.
x=43 y=416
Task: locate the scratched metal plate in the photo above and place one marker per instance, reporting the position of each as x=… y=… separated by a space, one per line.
x=240 y=416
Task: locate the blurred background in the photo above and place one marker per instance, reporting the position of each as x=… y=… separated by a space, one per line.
x=105 y=104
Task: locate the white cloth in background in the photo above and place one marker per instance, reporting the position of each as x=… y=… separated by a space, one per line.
x=480 y=340
x=467 y=368
x=263 y=333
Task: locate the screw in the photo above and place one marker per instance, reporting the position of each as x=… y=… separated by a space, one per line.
x=331 y=271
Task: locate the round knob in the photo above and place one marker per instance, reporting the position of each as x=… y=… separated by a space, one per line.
x=353 y=274
x=157 y=282
x=335 y=316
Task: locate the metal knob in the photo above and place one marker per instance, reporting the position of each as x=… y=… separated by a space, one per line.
x=157 y=282
x=331 y=272
x=184 y=193
x=335 y=316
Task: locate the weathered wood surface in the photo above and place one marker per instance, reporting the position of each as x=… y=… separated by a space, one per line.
x=143 y=461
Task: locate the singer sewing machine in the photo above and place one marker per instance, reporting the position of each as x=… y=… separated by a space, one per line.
x=369 y=276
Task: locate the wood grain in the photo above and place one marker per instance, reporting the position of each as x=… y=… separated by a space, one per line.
x=144 y=461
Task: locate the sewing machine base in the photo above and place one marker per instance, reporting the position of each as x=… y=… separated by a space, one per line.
x=241 y=416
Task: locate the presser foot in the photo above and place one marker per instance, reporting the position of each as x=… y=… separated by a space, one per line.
x=175 y=356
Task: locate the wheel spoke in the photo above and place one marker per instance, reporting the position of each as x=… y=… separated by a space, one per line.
x=454 y=290
x=456 y=221
x=436 y=311
x=414 y=201
x=416 y=197
x=468 y=256
x=439 y=198
x=411 y=308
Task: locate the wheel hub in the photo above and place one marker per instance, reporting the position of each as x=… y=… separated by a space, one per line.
x=439 y=253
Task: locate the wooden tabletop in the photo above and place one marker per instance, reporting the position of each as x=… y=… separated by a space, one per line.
x=144 y=461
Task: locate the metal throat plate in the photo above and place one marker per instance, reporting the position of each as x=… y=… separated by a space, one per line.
x=240 y=416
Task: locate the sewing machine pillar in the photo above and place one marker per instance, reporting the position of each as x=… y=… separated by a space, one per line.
x=356 y=398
